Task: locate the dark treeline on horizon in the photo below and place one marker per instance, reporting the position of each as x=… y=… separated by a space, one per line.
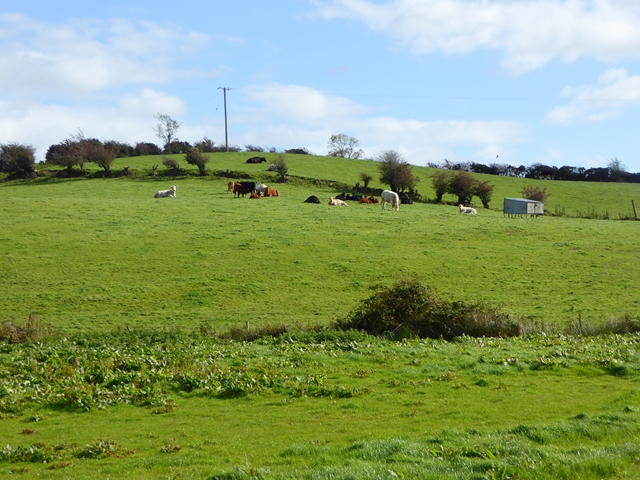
x=613 y=172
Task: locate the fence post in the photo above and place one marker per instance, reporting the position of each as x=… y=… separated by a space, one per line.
x=635 y=212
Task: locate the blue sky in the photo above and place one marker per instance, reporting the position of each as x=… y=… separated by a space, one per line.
x=551 y=81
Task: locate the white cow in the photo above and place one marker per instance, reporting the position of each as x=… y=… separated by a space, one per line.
x=470 y=210
x=390 y=197
x=167 y=193
x=336 y=202
x=261 y=187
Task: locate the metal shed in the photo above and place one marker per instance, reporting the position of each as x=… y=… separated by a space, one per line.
x=523 y=206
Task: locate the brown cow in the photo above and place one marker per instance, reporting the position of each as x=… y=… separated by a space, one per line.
x=366 y=199
x=230 y=186
x=270 y=192
x=255 y=195
x=238 y=190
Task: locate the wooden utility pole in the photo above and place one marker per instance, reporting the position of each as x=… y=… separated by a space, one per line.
x=226 y=136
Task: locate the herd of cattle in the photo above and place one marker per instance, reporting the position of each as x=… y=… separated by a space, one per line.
x=257 y=190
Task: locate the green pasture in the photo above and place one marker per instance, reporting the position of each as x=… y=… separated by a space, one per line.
x=95 y=254
x=137 y=385
x=183 y=406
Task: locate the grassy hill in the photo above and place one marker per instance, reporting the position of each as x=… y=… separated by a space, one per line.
x=89 y=254
x=137 y=387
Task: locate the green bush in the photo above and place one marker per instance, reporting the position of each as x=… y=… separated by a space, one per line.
x=410 y=309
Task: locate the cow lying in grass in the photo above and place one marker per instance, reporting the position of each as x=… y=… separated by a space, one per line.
x=166 y=193
x=336 y=202
x=270 y=192
x=470 y=210
x=255 y=195
x=390 y=197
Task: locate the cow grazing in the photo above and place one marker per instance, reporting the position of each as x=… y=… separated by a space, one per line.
x=313 y=199
x=256 y=160
x=336 y=202
x=166 y=193
x=464 y=209
x=255 y=195
x=230 y=186
x=390 y=197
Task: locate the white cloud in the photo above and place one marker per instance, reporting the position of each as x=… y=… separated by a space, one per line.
x=84 y=56
x=42 y=125
x=530 y=32
x=301 y=104
x=300 y=116
x=593 y=103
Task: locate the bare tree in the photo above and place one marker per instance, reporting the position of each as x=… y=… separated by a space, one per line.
x=166 y=129
x=342 y=145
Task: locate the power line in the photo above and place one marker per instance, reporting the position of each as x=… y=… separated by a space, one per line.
x=435 y=97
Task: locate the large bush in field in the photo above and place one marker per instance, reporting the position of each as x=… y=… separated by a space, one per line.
x=17 y=159
x=410 y=308
x=195 y=156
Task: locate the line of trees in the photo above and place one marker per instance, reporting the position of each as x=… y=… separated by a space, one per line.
x=615 y=171
x=463 y=186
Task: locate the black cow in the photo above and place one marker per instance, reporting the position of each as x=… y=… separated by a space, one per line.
x=256 y=160
x=244 y=188
x=405 y=199
x=312 y=199
x=347 y=196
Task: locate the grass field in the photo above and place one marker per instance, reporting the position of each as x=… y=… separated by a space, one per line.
x=94 y=254
x=105 y=263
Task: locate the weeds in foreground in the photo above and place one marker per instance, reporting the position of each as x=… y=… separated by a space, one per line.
x=31 y=331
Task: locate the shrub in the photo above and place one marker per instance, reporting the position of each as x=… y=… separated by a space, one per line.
x=18 y=159
x=119 y=149
x=298 y=151
x=281 y=166
x=205 y=145
x=65 y=154
x=177 y=147
x=440 y=182
x=101 y=156
x=411 y=309
x=195 y=156
x=146 y=148
x=396 y=172
x=535 y=193
x=172 y=165
x=253 y=148
x=483 y=190
x=366 y=179
x=462 y=185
